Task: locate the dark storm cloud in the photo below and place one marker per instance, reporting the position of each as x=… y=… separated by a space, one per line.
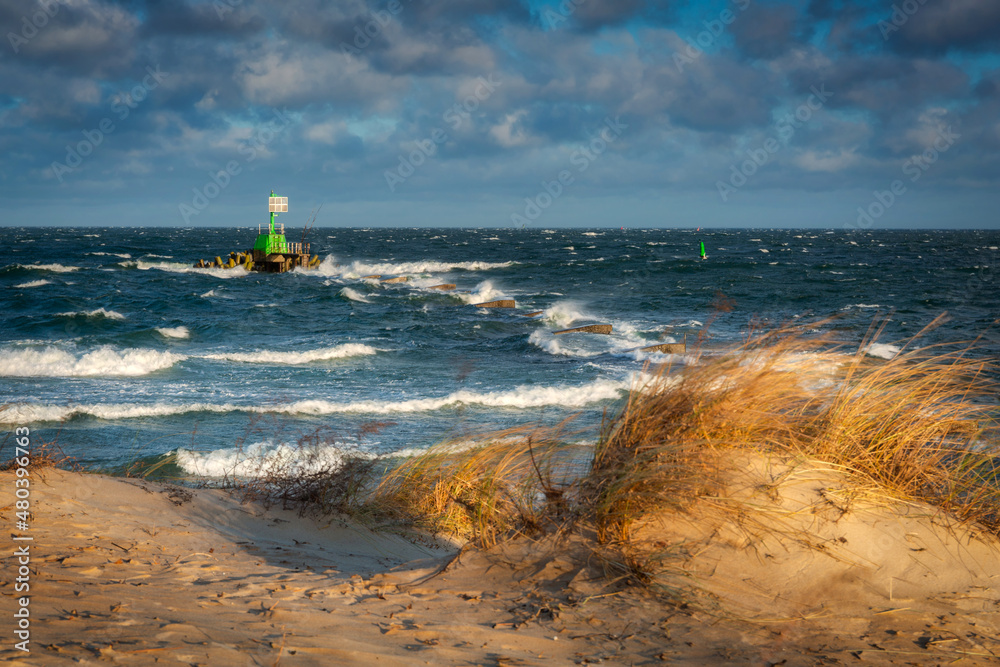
x=714 y=94
x=926 y=27
x=181 y=18
x=87 y=38
x=593 y=15
x=765 y=32
x=326 y=23
x=458 y=11
x=937 y=27
x=885 y=85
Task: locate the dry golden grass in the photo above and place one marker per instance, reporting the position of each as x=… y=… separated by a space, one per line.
x=483 y=489
x=916 y=427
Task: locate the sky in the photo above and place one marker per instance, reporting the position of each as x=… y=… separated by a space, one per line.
x=855 y=114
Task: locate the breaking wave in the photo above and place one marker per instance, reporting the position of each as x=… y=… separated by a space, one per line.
x=292 y=358
x=33 y=283
x=356 y=269
x=174 y=332
x=55 y=268
x=352 y=295
x=100 y=312
x=261 y=458
x=104 y=361
x=177 y=267
x=564 y=313
x=519 y=398
x=485 y=291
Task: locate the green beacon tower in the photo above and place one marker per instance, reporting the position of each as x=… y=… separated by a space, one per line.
x=271 y=252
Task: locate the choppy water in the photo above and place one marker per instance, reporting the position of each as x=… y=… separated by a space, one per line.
x=113 y=344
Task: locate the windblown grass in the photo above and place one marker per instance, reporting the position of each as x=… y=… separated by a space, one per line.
x=482 y=489
x=917 y=427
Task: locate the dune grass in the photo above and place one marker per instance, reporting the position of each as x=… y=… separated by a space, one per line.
x=919 y=427
x=484 y=489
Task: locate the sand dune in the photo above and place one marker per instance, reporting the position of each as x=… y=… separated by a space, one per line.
x=132 y=572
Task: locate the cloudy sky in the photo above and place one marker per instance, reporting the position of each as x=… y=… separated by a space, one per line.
x=636 y=113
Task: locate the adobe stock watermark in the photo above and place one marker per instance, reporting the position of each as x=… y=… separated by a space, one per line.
x=223 y=7
x=47 y=9
x=551 y=18
x=220 y=180
x=707 y=37
x=785 y=128
x=915 y=167
x=124 y=104
x=454 y=116
x=581 y=158
x=901 y=13
x=371 y=29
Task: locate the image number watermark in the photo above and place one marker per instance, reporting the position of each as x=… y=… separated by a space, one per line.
x=22 y=541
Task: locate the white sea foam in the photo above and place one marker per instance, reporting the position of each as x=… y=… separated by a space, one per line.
x=100 y=312
x=55 y=268
x=263 y=458
x=33 y=283
x=882 y=350
x=104 y=361
x=353 y=295
x=485 y=291
x=177 y=267
x=656 y=357
x=552 y=345
x=523 y=397
x=564 y=313
x=210 y=293
x=123 y=255
x=356 y=269
x=293 y=358
x=174 y=332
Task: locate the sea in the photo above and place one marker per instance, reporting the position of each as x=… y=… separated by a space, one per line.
x=115 y=350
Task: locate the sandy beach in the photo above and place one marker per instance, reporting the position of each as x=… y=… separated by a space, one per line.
x=133 y=572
